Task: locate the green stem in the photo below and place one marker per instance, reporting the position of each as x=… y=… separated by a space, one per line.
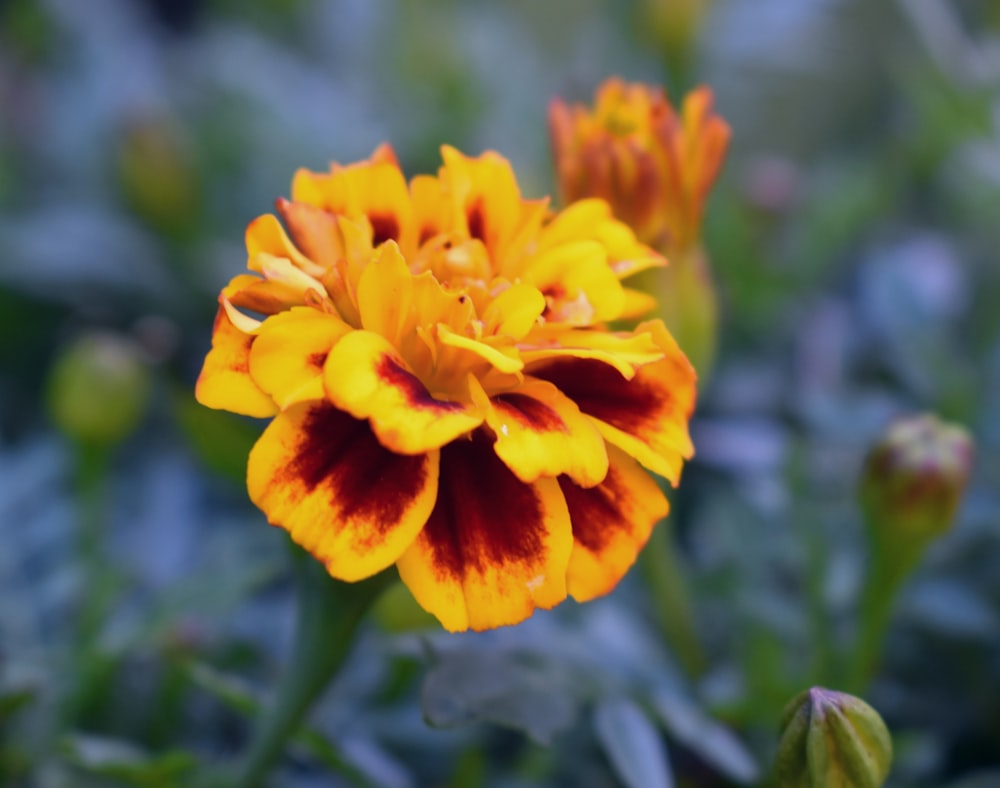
x=92 y=464
x=883 y=581
x=670 y=598
x=328 y=616
x=819 y=625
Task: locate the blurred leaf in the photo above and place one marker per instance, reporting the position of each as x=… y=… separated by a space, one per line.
x=984 y=779
x=951 y=607
x=230 y=690
x=469 y=686
x=361 y=761
x=632 y=744
x=221 y=440
x=712 y=741
x=124 y=762
x=13 y=699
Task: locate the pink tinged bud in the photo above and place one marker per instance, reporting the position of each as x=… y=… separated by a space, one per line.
x=832 y=740
x=913 y=481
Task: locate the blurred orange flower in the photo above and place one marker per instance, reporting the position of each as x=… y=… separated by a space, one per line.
x=444 y=394
x=653 y=165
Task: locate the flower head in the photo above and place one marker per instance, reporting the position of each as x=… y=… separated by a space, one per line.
x=651 y=163
x=444 y=393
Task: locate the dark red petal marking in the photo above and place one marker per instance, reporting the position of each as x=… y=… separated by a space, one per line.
x=416 y=393
x=530 y=412
x=596 y=513
x=599 y=390
x=427 y=232
x=476 y=220
x=385 y=227
x=484 y=515
x=317 y=360
x=364 y=478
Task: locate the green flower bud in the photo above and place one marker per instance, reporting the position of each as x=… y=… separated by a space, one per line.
x=98 y=389
x=688 y=303
x=912 y=483
x=832 y=740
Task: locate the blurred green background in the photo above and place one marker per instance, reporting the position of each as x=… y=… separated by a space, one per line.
x=146 y=607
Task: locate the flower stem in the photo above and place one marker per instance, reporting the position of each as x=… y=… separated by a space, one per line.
x=671 y=601
x=883 y=581
x=329 y=612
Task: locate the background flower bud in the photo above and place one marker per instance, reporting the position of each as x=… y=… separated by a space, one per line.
x=98 y=389
x=832 y=740
x=655 y=165
x=912 y=483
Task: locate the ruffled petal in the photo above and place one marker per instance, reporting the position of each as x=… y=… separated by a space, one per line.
x=486 y=198
x=324 y=477
x=514 y=311
x=225 y=382
x=622 y=351
x=367 y=377
x=315 y=231
x=394 y=303
x=541 y=432
x=611 y=524
x=578 y=284
x=494 y=548
x=265 y=235
x=288 y=355
x=646 y=416
x=637 y=304
x=254 y=294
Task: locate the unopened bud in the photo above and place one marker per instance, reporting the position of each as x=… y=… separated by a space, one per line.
x=832 y=740
x=913 y=481
x=98 y=389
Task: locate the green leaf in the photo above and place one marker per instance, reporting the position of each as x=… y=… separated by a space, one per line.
x=632 y=744
x=221 y=440
x=710 y=740
x=13 y=700
x=123 y=761
x=480 y=686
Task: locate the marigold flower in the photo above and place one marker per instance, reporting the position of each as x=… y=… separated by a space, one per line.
x=444 y=392
x=633 y=149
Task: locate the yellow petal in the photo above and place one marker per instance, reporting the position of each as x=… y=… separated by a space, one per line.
x=494 y=549
x=225 y=382
x=646 y=416
x=366 y=376
x=514 y=312
x=623 y=351
x=501 y=355
x=540 y=432
x=314 y=231
x=265 y=235
x=637 y=304
x=579 y=286
x=324 y=477
x=254 y=294
x=611 y=523
x=288 y=355
x=485 y=196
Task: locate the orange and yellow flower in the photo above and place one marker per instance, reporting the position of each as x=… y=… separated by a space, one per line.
x=443 y=392
x=654 y=165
